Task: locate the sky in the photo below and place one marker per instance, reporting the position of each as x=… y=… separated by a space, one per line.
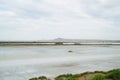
x=50 y=19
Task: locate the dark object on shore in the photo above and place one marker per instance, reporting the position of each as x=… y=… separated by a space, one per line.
x=70 y=51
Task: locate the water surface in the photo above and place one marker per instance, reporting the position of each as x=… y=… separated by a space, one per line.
x=24 y=62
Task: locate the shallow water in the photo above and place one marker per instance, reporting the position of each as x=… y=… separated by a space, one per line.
x=24 y=62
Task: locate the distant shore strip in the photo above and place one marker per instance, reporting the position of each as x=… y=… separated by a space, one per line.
x=58 y=43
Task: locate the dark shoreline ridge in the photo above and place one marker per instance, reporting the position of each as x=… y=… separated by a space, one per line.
x=52 y=43
x=96 y=75
x=62 y=42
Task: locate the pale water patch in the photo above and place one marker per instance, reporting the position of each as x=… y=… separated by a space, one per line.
x=23 y=62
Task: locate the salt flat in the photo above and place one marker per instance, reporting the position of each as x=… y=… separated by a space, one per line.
x=23 y=62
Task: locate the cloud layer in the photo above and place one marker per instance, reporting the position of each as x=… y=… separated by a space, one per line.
x=48 y=19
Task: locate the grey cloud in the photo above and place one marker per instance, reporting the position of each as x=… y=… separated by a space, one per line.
x=104 y=11
x=63 y=18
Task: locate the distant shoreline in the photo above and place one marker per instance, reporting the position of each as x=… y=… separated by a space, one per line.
x=57 y=43
x=61 y=41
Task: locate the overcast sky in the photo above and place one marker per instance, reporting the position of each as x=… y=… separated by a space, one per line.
x=49 y=19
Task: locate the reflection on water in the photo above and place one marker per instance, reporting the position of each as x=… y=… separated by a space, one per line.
x=23 y=62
